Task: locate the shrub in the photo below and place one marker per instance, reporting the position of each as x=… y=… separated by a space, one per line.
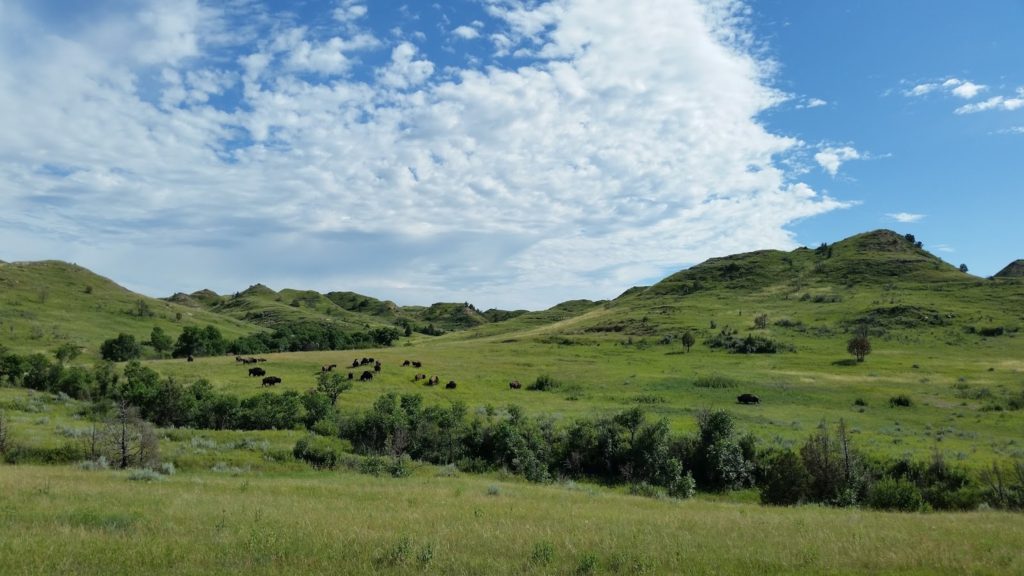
x=715 y=381
x=901 y=400
x=544 y=383
x=121 y=349
x=317 y=451
x=895 y=494
x=784 y=479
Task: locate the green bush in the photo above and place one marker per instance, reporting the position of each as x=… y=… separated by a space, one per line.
x=544 y=383
x=318 y=451
x=900 y=401
x=120 y=349
x=895 y=494
x=784 y=479
x=715 y=381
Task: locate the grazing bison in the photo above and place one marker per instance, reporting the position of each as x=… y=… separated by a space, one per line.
x=190 y=358
x=355 y=363
x=514 y=385
x=748 y=399
x=366 y=375
x=329 y=368
x=271 y=380
x=257 y=372
x=376 y=367
x=450 y=385
x=406 y=363
x=417 y=364
x=419 y=377
x=350 y=376
x=433 y=381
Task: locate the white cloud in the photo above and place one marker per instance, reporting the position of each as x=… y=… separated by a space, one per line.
x=993 y=103
x=831 y=158
x=1012 y=130
x=405 y=70
x=629 y=145
x=922 y=89
x=466 y=32
x=816 y=102
x=905 y=217
x=968 y=90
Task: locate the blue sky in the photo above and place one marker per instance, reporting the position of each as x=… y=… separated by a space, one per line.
x=512 y=153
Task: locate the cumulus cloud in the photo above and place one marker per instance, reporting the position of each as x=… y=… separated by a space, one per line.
x=832 y=158
x=968 y=90
x=626 y=146
x=960 y=88
x=993 y=103
x=466 y=32
x=905 y=217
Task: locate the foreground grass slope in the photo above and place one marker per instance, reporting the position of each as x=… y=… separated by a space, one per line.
x=62 y=520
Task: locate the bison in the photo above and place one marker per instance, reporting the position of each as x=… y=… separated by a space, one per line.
x=433 y=381
x=271 y=380
x=350 y=376
x=257 y=372
x=748 y=399
x=355 y=363
x=514 y=385
x=406 y=363
x=450 y=385
x=419 y=377
x=328 y=368
x=366 y=375
x=417 y=364
x=376 y=367
x=190 y=358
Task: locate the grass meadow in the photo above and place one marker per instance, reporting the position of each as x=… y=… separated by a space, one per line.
x=68 y=521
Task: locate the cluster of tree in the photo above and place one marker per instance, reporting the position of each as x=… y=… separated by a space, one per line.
x=828 y=469
x=208 y=341
x=307 y=336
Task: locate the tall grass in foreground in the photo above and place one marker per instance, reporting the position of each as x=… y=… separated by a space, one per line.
x=62 y=520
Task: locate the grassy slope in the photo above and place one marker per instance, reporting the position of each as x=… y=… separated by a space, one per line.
x=45 y=304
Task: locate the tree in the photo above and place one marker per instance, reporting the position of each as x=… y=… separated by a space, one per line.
x=67 y=352
x=859 y=345
x=195 y=341
x=331 y=384
x=160 y=341
x=688 y=340
x=120 y=349
x=963 y=268
x=130 y=441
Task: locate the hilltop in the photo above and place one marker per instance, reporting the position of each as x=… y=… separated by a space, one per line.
x=1014 y=269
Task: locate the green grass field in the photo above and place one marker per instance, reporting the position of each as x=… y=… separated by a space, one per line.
x=61 y=520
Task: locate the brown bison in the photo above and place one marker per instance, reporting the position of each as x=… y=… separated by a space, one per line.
x=748 y=399
x=351 y=376
x=433 y=381
x=417 y=364
x=190 y=358
x=450 y=385
x=271 y=380
x=419 y=377
x=366 y=375
x=328 y=368
x=406 y=363
x=514 y=385
x=257 y=372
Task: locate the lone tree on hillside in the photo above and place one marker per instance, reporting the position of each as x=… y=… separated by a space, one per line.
x=688 y=340
x=963 y=268
x=859 y=345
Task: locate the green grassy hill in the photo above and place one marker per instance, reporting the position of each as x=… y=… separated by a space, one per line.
x=46 y=304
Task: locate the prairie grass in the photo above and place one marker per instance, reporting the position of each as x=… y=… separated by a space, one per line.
x=63 y=520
